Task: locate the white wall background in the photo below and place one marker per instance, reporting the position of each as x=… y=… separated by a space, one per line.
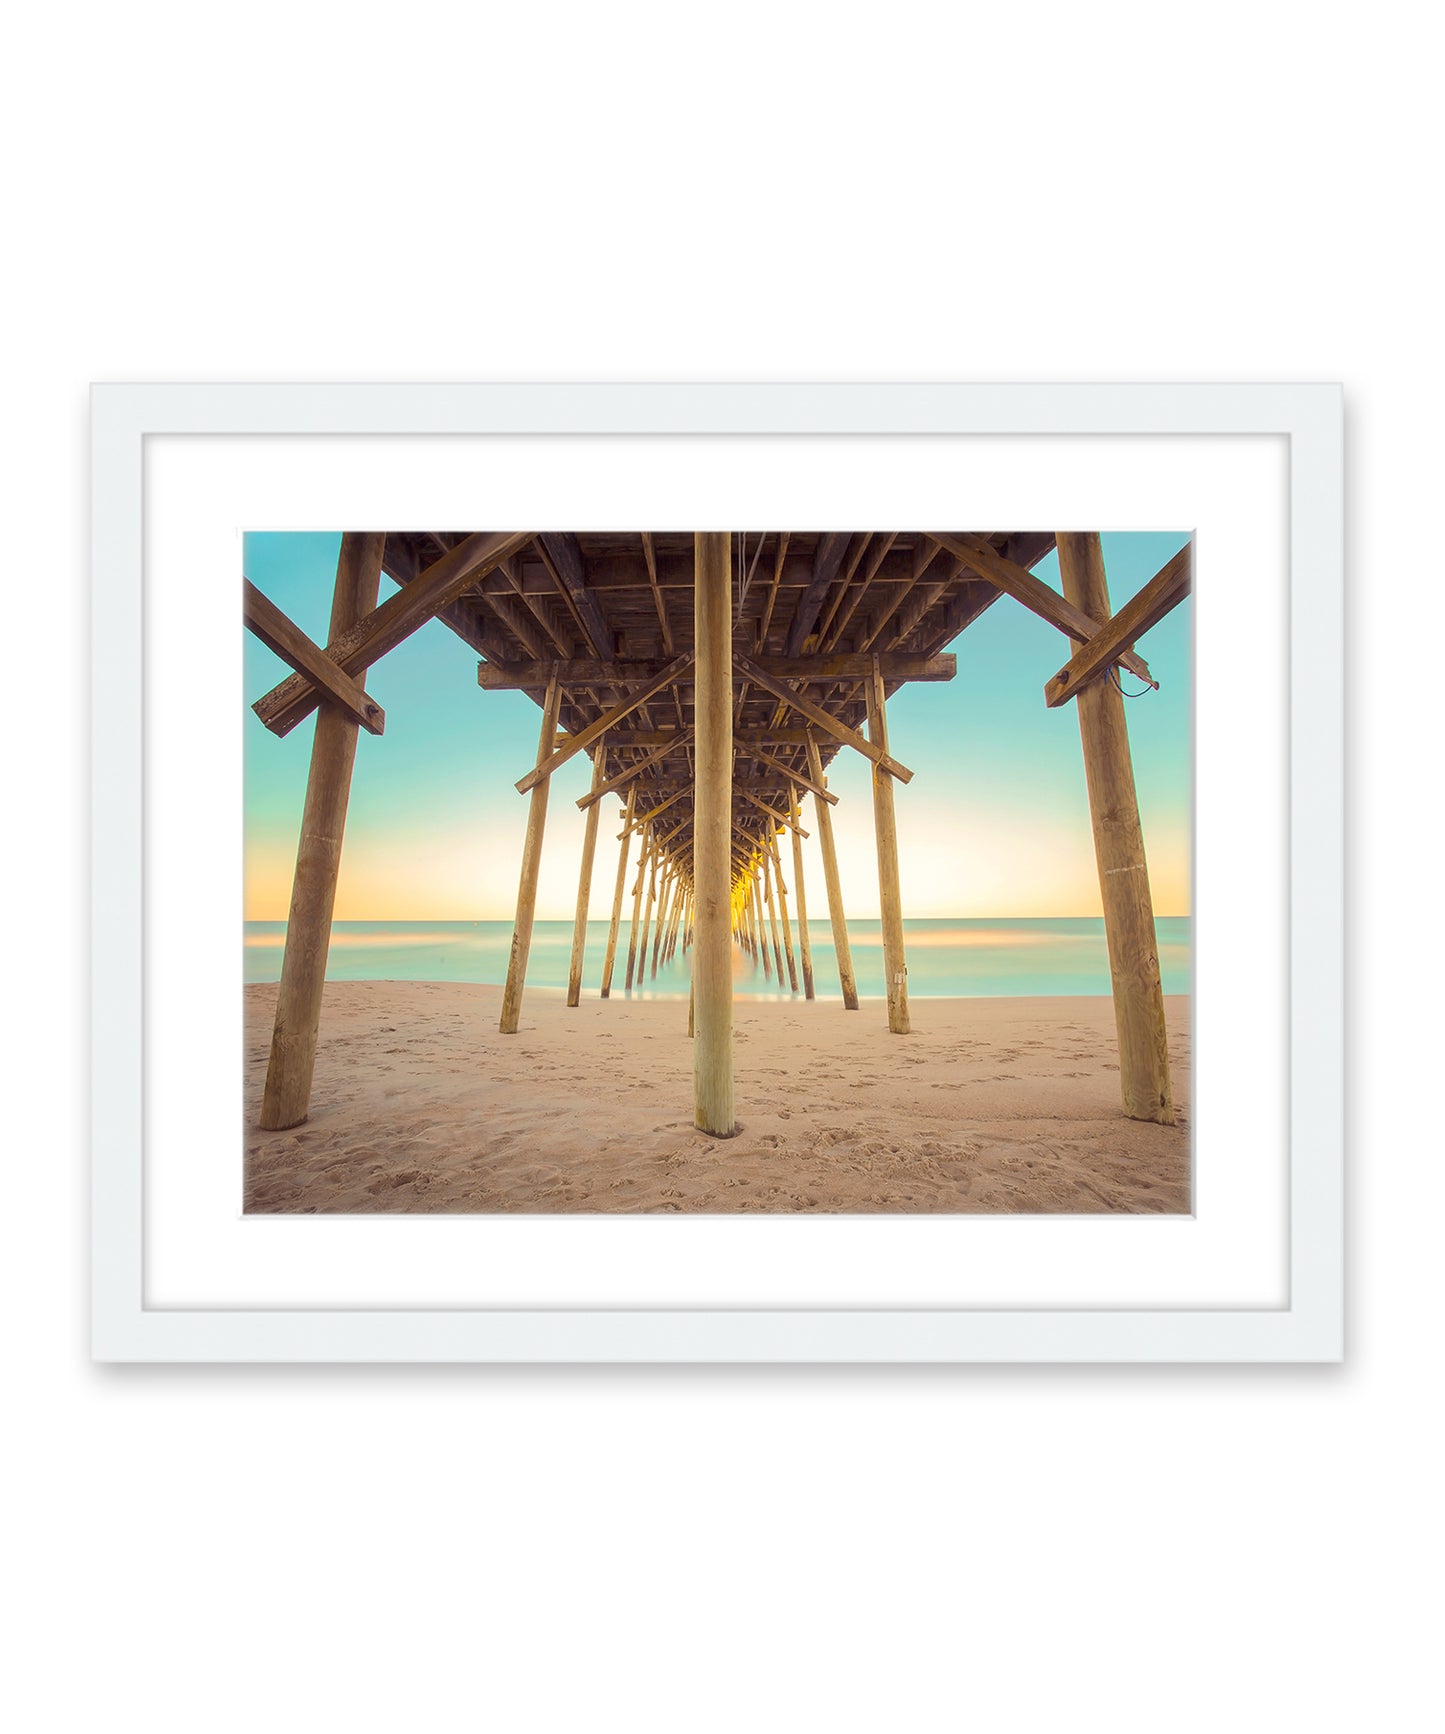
x=1043 y=192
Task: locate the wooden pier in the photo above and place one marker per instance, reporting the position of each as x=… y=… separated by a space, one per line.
x=712 y=678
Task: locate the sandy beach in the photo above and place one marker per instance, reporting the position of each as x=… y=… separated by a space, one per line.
x=419 y=1104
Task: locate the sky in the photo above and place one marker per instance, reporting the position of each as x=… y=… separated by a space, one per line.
x=994 y=823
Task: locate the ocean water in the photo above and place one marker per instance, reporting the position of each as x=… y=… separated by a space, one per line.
x=949 y=958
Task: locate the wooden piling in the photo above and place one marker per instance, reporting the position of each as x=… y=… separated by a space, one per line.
x=584 y=884
x=712 y=833
x=760 y=931
x=1119 y=849
x=890 y=894
x=531 y=865
x=642 y=860
x=647 y=906
x=664 y=917
x=611 y=958
x=832 y=883
x=287 y=1095
x=805 y=944
x=783 y=909
x=772 y=908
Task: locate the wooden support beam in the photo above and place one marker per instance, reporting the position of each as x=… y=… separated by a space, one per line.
x=628 y=772
x=367 y=640
x=584 y=888
x=497 y=675
x=890 y=895
x=805 y=943
x=834 y=886
x=294 y=648
x=765 y=623
x=781 y=819
x=1164 y=591
x=1119 y=848
x=527 y=882
x=286 y=1099
x=610 y=959
x=824 y=720
x=594 y=731
x=770 y=903
x=827 y=558
x=981 y=557
x=656 y=864
x=647 y=815
x=667 y=893
x=642 y=861
x=792 y=773
x=562 y=554
x=713 y=1109
x=783 y=907
x=760 y=931
x=664 y=625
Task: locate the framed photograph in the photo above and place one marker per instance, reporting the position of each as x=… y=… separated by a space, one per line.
x=717 y=873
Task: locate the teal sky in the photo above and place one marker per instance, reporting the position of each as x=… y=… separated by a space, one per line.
x=995 y=821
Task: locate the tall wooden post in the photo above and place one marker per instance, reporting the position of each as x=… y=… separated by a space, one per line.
x=712 y=969
x=890 y=893
x=584 y=884
x=760 y=932
x=832 y=882
x=805 y=944
x=664 y=916
x=531 y=865
x=642 y=861
x=772 y=909
x=611 y=957
x=647 y=906
x=783 y=909
x=1119 y=848
x=287 y=1094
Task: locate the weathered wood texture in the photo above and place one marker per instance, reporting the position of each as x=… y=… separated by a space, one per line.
x=713 y=1109
x=828 y=849
x=365 y=641
x=1164 y=591
x=292 y=645
x=610 y=959
x=805 y=943
x=531 y=866
x=286 y=1098
x=890 y=895
x=1119 y=848
x=584 y=888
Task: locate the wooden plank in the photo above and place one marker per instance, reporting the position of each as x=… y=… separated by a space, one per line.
x=628 y=772
x=782 y=820
x=664 y=625
x=1165 y=590
x=766 y=622
x=498 y=675
x=979 y=556
x=827 y=558
x=825 y=720
x=594 y=731
x=396 y=619
x=1119 y=850
x=286 y=1098
x=292 y=645
x=563 y=553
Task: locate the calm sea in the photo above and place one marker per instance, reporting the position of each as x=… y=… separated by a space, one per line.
x=946 y=958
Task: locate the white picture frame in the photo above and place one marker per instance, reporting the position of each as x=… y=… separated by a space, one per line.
x=1306 y=1327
